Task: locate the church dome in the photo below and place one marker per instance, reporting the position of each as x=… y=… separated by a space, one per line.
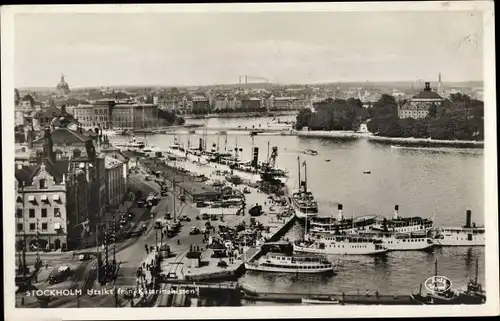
x=63 y=86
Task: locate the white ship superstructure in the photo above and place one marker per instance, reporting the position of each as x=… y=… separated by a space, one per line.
x=403 y=224
x=394 y=241
x=467 y=235
x=303 y=201
x=297 y=263
x=340 y=244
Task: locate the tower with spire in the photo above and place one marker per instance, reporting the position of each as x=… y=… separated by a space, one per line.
x=440 y=87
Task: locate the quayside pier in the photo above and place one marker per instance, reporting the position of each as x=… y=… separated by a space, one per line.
x=348 y=299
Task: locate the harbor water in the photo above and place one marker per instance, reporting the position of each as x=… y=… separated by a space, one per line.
x=440 y=184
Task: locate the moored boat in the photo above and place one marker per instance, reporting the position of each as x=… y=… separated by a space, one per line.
x=340 y=244
x=303 y=201
x=291 y=263
x=467 y=235
x=403 y=224
x=394 y=241
x=341 y=224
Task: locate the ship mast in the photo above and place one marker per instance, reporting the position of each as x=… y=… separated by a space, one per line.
x=305 y=177
x=477 y=268
x=435 y=273
x=298 y=167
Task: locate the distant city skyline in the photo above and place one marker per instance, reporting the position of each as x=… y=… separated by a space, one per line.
x=195 y=49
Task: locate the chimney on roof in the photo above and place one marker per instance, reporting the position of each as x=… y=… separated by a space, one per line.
x=427 y=86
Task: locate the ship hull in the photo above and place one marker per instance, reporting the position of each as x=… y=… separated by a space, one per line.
x=258 y=268
x=339 y=250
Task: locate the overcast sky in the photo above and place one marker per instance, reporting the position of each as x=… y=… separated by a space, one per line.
x=208 y=48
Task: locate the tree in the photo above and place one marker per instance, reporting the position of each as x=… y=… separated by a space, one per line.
x=303 y=118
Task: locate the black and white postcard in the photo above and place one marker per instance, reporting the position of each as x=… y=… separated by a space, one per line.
x=249 y=160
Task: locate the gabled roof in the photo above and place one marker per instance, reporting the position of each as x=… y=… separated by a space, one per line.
x=56 y=169
x=26 y=173
x=63 y=136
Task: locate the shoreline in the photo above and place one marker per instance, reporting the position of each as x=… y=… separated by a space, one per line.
x=423 y=142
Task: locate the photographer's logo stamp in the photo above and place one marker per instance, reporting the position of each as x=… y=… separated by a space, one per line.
x=438 y=284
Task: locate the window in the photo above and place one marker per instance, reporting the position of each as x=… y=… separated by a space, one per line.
x=42 y=183
x=44 y=212
x=44 y=226
x=32 y=226
x=19 y=227
x=32 y=213
x=19 y=212
x=57 y=213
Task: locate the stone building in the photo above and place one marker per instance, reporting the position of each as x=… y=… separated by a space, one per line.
x=419 y=105
x=250 y=103
x=134 y=115
x=116 y=181
x=41 y=216
x=86 y=181
x=96 y=114
x=200 y=103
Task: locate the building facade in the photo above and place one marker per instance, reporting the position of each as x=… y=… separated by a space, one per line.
x=97 y=114
x=41 y=216
x=251 y=104
x=200 y=103
x=419 y=106
x=134 y=115
x=285 y=103
x=116 y=184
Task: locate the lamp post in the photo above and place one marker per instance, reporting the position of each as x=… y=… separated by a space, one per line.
x=24 y=233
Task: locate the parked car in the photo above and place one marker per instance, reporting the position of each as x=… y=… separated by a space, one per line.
x=194 y=230
x=205 y=216
x=184 y=218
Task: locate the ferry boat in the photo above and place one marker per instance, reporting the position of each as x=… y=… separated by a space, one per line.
x=134 y=145
x=303 y=201
x=403 y=224
x=341 y=224
x=467 y=235
x=394 y=241
x=340 y=244
x=295 y=263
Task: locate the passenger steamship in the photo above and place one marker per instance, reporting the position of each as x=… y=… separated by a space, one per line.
x=467 y=235
x=303 y=201
x=340 y=244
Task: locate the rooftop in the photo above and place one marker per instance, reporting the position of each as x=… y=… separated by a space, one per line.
x=56 y=169
x=110 y=162
x=64 y=136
